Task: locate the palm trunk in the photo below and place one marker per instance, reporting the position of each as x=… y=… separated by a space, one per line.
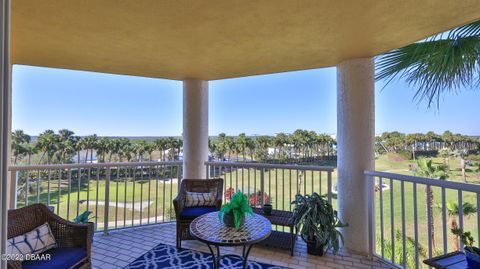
x=455 y=239
x=462 y=164
x=430 y=220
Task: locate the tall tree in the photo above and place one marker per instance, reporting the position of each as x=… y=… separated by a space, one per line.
x=89 y=144
x=19 y=143
x=47 y=142
x=241 y=143
x=428 y=170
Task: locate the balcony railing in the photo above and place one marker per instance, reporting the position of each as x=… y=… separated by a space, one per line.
x=132 y=194
x=412 y=217
x=119 y=194
x=404 y=210
x=276 y=184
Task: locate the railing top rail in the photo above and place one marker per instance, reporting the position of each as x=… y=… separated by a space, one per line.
x=427 y=181
x=89 y=165
x=266 y=165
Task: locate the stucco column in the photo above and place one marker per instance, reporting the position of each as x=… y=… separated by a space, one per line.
x=195 y=128
x=355 y=139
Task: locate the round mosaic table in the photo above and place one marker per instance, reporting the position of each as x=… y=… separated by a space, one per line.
x=211 y=231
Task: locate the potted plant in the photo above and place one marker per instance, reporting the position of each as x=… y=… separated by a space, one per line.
x=317 y=222
x=84 y=218
x=472 y=254
x=234 y=212
x=267 y=209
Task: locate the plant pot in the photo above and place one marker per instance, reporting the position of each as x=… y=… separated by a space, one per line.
x=228 y=220
x=313 y=249
x=472 y=255
x=267 y=209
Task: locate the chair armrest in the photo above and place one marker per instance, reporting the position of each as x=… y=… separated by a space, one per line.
x=178 y=204
x=71 y=234
x=219 y=199
x=218 y=203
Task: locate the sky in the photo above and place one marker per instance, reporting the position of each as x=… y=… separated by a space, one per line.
x=116 y=105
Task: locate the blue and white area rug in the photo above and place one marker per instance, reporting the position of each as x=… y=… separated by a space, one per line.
x=166 y=256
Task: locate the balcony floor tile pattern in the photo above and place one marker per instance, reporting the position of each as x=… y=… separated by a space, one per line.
x=123 y=246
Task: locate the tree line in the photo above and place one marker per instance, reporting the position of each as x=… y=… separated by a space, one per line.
x=64 y=146
x=430 y=141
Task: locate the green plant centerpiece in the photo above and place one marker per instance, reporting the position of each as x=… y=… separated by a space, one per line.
x=472 y=253
x=234 y=212
x=318 y=223
x=84 y=217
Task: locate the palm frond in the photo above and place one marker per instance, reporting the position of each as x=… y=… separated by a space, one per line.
x=436 y=66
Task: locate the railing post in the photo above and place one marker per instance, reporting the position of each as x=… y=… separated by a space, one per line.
x=262 y=186
x=329 y=186
x=371 y=216
x=207 y=172
x=13 y=189
x=107 y=201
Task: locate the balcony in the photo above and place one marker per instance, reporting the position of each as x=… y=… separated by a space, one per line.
x=123 y=246
x=132 y=205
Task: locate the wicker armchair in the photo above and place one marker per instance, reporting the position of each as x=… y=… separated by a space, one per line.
x=69 y=236
x=183 y=217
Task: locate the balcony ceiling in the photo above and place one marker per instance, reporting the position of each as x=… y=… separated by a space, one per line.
x=218 y=39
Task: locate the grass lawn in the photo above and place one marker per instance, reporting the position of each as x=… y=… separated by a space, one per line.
x=281 y=185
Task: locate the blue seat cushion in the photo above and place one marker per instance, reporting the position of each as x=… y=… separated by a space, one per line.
x=60 y=258
x=193 y=212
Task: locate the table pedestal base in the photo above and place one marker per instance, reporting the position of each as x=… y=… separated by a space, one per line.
x=217 y=257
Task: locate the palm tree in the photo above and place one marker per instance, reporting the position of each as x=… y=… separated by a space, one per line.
x=47 y=142
x=279 y=141
x=102 y=148
x=19 y=141
x=30 y=150
x=262 y=143
x=212 y=147
x=443 y=63
x=126 y=150
x=241 y=145
x=428 y=170
x=89 y=144
x=221 y=146
x=251 y=147
x=66 y=150
x=231 y=146
x=115 y=148
x=140 y=148
x=453 y=211
x=150 y=148
x=65 y=134
x=162 y=145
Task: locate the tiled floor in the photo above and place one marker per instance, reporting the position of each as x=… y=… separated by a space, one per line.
x=123 y=246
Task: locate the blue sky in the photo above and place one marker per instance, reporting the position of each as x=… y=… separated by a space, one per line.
x=114 y=105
